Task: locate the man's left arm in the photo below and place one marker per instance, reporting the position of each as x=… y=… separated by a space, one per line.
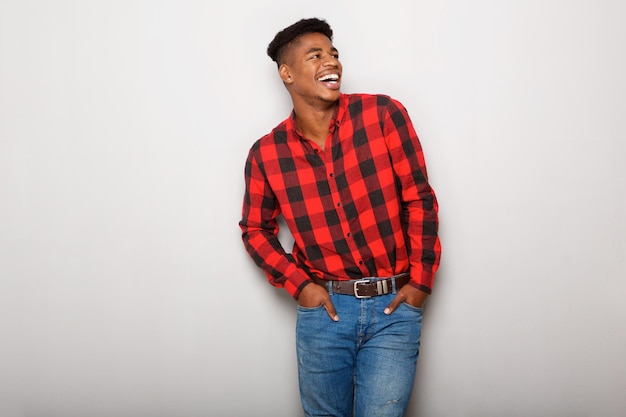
x=419 y=204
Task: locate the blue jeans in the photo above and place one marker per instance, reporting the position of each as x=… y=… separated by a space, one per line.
x=361 y=366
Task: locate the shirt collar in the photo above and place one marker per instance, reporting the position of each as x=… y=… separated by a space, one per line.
x=335 y=121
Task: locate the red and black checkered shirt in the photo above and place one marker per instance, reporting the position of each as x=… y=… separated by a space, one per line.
x=360 y=208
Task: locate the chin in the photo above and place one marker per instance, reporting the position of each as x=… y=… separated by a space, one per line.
x=331 y=95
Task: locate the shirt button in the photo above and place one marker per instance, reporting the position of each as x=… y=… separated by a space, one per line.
x=349 y=234
x=332 y=175
x=360 y=262
x=338 y=204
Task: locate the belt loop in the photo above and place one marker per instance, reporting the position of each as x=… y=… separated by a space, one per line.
x=329 y=285
x=393 y=285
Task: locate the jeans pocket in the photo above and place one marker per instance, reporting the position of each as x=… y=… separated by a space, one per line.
x=412 y=307
x=302 y=309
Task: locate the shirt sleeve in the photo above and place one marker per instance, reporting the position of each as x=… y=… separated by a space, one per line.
x=419 y=203
x=260 y=230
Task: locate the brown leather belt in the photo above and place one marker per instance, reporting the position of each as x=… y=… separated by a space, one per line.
x=365 y=287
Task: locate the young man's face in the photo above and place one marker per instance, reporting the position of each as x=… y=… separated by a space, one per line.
x=312 y=70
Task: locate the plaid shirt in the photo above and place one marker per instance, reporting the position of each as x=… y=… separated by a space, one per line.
x=361 y=208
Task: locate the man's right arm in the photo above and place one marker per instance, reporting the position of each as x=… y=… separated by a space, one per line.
x=260 y=236
x=260 y=231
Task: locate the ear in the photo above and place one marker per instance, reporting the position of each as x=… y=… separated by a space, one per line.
x=285 y=73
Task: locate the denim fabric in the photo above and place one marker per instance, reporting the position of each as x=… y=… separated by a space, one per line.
x=361 y=366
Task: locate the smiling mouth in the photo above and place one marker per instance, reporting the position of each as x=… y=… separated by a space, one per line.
x=329 y=78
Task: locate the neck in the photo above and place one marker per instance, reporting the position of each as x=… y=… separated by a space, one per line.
x=313 y=121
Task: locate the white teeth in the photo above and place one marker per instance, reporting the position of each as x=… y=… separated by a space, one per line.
x=329 y=77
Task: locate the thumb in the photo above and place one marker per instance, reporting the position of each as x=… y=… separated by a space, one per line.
x=393 y=305
x=330 y=309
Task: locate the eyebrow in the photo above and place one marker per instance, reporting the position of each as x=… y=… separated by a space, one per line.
x=333 y=49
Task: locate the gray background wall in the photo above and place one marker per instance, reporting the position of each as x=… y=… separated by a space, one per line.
x=124 y=287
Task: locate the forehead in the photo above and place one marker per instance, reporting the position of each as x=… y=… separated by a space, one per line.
x=304 y=43
x=309 y=40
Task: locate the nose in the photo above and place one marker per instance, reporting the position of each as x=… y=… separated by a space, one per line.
x=331 y=61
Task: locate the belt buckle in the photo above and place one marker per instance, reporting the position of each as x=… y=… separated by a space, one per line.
x=356 y=291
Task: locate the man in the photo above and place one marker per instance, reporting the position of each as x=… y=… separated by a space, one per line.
x=347 y=173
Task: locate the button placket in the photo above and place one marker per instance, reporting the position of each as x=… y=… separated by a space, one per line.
x=336 y=195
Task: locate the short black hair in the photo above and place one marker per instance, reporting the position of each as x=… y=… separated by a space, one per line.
x=283 y=38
